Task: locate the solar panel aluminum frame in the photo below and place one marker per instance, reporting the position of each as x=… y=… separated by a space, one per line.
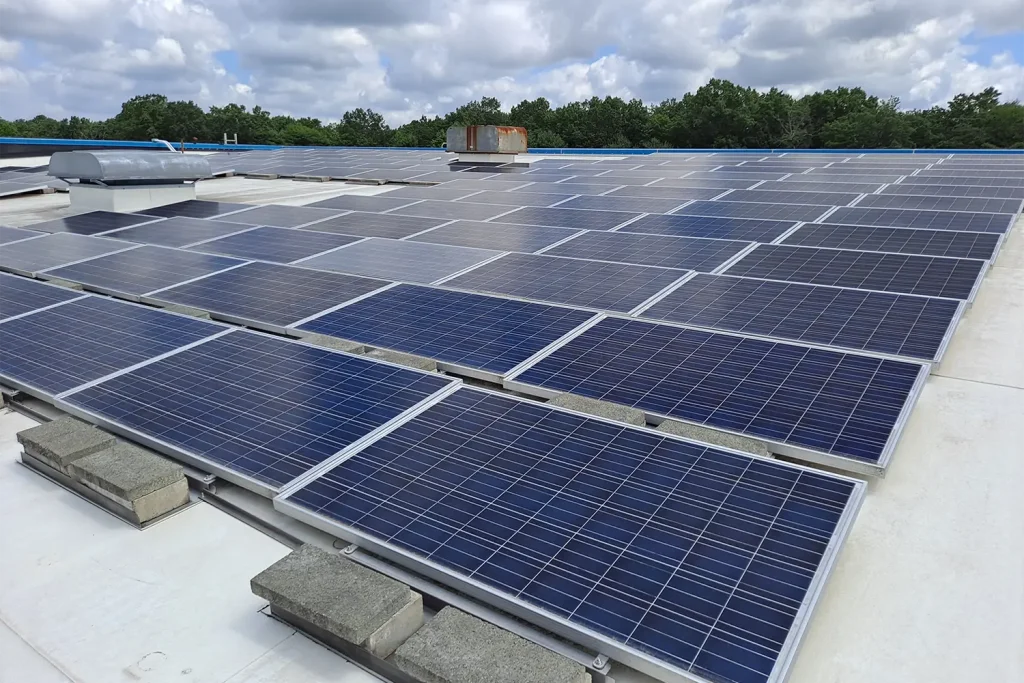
x=575 y=633
x=781 y=448
x=208 y=466
x=39 y=274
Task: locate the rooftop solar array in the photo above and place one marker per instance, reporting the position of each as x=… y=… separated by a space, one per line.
x=278 y=245
x=91 y=223
x=777 y=212
x=349 y=202
x=506 y=237
x=15 y=234
x=929 y=220
x=178 y=231
x=710 y=227
x=364 y=224
x=19 y=296
x=565 y=217
x=976 y=245
x=195 y=209
x=283 y=216
x=688 y=253
x=419 y=262
x=675 y=557
x=32 y=256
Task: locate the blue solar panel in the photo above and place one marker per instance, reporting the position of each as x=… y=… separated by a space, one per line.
x=501 y=236
x=258 y=406
x=978 y=182
x=978 y=245
x=983 y=204
x=195 y=208
x=762 y=196
x=90 y=223
x=707 y=226
x=576 y=282
x=954 y=190
x=20 y=295
x=268 y=294
x=518 y=198
x=688 y=253
x=13 y=234
x=278 y=245
x=557 y=217
x=66 y=346
x=32 y=256
x=139 y=271
x=929 y=220
x=904 y=273
x=679 y=194
x=824 y=402
x=779 y=212
x=672 y=556
x=475 y=331
x=708 y=180
x=900 y=325
x=178 y=231
x=620 y=203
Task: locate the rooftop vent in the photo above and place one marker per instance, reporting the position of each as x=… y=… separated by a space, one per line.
x=487 y=144
x=128 y=180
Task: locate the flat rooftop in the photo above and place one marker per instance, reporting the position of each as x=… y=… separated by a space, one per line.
x=926 y=588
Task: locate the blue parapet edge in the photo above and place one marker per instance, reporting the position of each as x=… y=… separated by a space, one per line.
x=218 y=147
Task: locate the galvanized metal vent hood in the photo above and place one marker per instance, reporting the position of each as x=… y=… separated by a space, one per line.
x=109 y=167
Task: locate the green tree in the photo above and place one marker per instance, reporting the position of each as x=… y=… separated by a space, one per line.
x=363 y=128
x=879 y=128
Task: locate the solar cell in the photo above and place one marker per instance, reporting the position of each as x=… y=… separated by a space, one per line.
x=620 y=178
x=376 y=225
x=987 y=205
x=707 y=226
x=980 y=182
x=976 y=245
x=905 y=273
x=268 y=295
x=563 y=188
x=90 y=223
x=466 y=181
x=484 y=333
x=733 y=181
x=53 y=351
x=856 y=169
x=790 y=185
x=558 y=217
x=678 y=194
x=19 y=295
x=738 y=172
x=439 y=192
x=973 y=173
x=688 y=253
x=518 y=198
x=280 y=216
x=258 y=410
x=896 y=324
x=139 y=271
x=844 y=178
x=916 y=218
x=502 y=236
x=727 y=209
x=451 y=210
x=689 y=182
x=955 y=191
x=196 y=208
x=619 y=203
x=375 y=203
x=178 y=231
x=35 y=255
x=8 y=235
x=407 y=261
x=778 y=197
x=576 y=282
x=677 y=558
x=278 y=245
x=820 y=403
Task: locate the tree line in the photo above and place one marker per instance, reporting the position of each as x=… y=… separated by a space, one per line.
x=720 y=114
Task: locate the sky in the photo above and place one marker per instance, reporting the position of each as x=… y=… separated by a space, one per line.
x=407 y=58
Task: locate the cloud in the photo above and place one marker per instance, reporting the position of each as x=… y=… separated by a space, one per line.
x=406 y=59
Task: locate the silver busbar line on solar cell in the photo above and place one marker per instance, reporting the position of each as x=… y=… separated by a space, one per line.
x=684 y=561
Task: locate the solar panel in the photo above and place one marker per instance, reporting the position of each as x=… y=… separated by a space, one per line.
x=619 y=203
x=178 y=231
x=518 y=198
x=706 y=226
x=451 y=210
x=821 y=404
x=846 y=177
x=979 y=182
x=90 y=223
x=790 y=185
x=502 y=236
x=558 y=217
x=609 y=181
x=973 y=173
x=576 y=282
x=19 y=295
x=779 y=212
x=485 y=333
x=799 y=197
x=8 y=235
x=53 y=351
x=688 y=253
x=841 y=170
x=904 y=273
x=278 y=245
x=987 y=205
x=362 y=203
x=977 y=245
x=260 y=409
x=466 y=181
x=267 y=295
x=280 y=216
x=738 y=172
x=930 y=220
x=442 y=193
x=955 y=190
x=406 y=261
x=677 y=558
x=708 y=180
x=896 y=324
x=195 y=208
x=376 y=225
x=35 y=255
x=679 y=194
x=574 y=188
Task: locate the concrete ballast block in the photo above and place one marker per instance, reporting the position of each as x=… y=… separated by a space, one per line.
x=336 y=343
x=715 y=437
x=590 y=406
x=406 y=359
x=345 y=599
x=141 y=481
x=187 y=310
x=455 y=647
x=63 y=441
